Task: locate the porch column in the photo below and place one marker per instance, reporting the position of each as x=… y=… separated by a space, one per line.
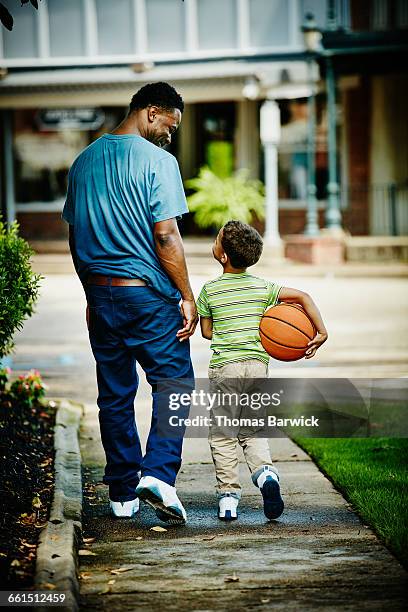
x=333 y=214
x=270 y=136
x=247 y=137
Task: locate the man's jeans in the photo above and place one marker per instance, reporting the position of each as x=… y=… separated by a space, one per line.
x=129 y=324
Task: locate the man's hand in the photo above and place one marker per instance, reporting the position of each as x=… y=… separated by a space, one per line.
x=314 y=344
x=190 y=319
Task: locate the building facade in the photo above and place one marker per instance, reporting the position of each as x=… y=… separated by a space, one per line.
x=69 y=70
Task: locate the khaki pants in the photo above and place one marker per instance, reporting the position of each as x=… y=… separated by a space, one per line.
x=224 y=448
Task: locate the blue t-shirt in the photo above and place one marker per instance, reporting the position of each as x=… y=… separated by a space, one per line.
x=118 y=188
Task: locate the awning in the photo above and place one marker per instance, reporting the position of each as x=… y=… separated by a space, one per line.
x=202 y=82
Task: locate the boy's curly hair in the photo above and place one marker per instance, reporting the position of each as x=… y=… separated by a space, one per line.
x=160 y=94
x=242 y=243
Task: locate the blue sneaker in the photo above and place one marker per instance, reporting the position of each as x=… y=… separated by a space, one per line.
x=163 y=498
x=227 y=507
x=268 y=482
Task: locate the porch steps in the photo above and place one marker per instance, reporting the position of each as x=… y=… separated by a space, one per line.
x=376 y=248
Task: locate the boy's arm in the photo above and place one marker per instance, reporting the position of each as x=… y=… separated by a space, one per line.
x=206 y=325
x=204 y=310
x=287 y=294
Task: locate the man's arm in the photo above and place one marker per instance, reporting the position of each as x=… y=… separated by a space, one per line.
x=170 y=251
x=71 y=240
x=287 y=294
x=206 y=324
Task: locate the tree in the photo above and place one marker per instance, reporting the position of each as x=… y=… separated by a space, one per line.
x=5 y=16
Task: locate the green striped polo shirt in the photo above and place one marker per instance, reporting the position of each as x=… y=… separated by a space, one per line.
x=236 y=303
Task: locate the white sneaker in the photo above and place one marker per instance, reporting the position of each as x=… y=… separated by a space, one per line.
x=163 y=498
x=227 y=507
x=125 y=509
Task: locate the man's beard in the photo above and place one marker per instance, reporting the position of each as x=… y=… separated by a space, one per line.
x=157 y=140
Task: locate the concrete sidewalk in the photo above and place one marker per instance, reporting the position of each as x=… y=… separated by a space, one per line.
x=318 y=555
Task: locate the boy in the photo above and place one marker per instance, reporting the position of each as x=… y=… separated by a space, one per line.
x=230 y=309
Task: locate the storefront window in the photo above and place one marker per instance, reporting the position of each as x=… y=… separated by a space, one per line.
x=293 y=150
x=46 y=142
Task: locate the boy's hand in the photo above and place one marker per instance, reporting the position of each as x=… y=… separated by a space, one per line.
x=314 y=344
x=190 y=319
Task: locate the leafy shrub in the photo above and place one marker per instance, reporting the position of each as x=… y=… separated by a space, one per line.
x=18 y=285
x=218 y=200
x=4 y=378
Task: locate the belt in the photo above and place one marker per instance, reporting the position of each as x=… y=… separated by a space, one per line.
x=114 y=281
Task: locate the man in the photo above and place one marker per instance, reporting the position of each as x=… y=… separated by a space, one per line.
x=124 y=195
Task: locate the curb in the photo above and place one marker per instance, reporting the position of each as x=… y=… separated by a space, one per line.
x=57 y=552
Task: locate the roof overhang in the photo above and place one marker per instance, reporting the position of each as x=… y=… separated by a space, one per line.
x=114 y=86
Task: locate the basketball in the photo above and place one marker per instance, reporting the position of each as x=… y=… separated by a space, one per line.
x=285 y=331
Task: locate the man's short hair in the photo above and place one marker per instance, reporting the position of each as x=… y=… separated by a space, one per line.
x=242 y=243
x=162 y=95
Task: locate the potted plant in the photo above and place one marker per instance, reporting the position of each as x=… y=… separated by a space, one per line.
x=217 y=200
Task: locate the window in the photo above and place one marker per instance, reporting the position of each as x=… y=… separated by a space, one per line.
x=22 y=41
x=317 y=8
x=115 y=27
x=269 y=23
x=292 y=160
x=379 y=15
x=66 y=28
x=165 y=26
x=389 y=15
x=43 y=153
x=219 y=32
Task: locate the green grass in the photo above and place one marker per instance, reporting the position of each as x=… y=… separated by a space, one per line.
x=372 y=474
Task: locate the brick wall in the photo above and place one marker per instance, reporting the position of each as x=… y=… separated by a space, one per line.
x=358 y=114
x=42 y=226
x=290 y=222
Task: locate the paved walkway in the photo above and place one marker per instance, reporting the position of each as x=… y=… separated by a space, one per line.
x=318 y=555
